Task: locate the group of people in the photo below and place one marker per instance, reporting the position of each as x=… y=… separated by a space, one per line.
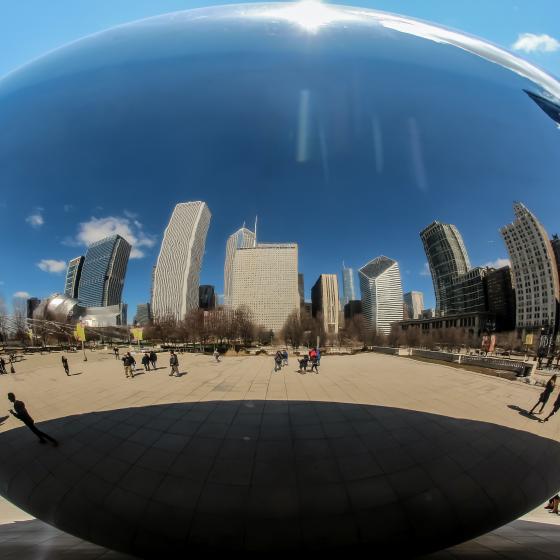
x=149 y=358
x=313 y=356
x=543 y=399
x=280 y=359
x=3 y=364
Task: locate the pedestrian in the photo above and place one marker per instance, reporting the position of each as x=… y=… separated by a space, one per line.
x=555 y=408
x=20 y=412
x=11 y=360
x=318 y=351
x=216 y=355
x=174 y=363
x=312 y=354
x=132 y=361
x=116 y=351
x=285 y=357
x=146 y=361
x=65 y=365
x=153 y=359
x=303 y=364
x=545 y=395
x=2 y=365
x=314 y=364
x=127 y=362
x=278 y=361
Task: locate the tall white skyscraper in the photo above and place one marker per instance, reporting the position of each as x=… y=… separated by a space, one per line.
x=382 y=296
x=241 y=239
x=348 y=289
x=264 y=279
x=414 y=302
x=177 y=272
x=534 y=270
x=325 y=303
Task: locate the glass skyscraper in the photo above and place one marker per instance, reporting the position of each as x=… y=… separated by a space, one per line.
x=73 y=275
x=103 y=272
x=348 y=289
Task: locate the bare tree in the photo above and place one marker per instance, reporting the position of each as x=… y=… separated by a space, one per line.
x=292 y=331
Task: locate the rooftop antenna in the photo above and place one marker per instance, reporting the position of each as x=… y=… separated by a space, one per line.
x=255 y=242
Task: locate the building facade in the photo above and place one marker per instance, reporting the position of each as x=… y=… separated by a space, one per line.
x=143 y=314
x=177 y=272
x=73 y=275
x=301 y=290
x=103 y=272
x=352 y=308
x=534 y=270
x=467 y=293
x=348 y=287
x=500 y=296
x=414 y=302
x=206 y=297
x=32 y=304
x=325 y=303
x=382 y=296
x=447 y=259
x=265 y=281
x=241 y=239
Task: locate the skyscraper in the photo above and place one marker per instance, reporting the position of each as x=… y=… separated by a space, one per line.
x=501 y=297
x=241 y=239
x=206 y=297
x=414 y=302
x=265 y=280
x=325 y=303
x=534 y=270
x=143 y=314
x=447 y=259
x=32 y=304
x=177 y=272
x=102 y=279
x=348 y=289
x=73 y=275
x=382 y=297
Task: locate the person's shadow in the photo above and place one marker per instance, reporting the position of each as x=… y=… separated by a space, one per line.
x=3 y=419
x=523 y=412
x=77 y=373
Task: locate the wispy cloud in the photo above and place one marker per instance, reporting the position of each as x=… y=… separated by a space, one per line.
x=68 y=207
x=52 y=266
x=425 y=270
x=129 y=214
x=36 y=220
x=98 y=228
x=529 y=42
x=498 y=263
x=23 y=295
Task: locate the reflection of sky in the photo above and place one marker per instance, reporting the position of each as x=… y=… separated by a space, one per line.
x=348 y=141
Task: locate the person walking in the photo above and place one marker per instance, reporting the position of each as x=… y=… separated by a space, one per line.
x=116 y=351
x=278 y=361
x=303 y=363
x=216 y=355
x=318 y=351
x=312 y=354
x=285 y=357
x=65 y=365
x=314 y=364
x=153 y=359
x=174 y=363
x=132 y=361
x=146 y=361
x=545 y=395
x=2 y=365
x=20 y=412
x=127 y=362
x=554 y=410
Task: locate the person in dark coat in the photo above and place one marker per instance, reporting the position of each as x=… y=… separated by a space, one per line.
x=545 y=395
x=153 y=359
x=20 y=412
x=65 y=365
x=303 y=363
x=555 y=408
x=2 y=365
x=146 y=361
x=278 y=361
x=174 y=363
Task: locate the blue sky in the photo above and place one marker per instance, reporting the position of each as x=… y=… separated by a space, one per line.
x=48 y=232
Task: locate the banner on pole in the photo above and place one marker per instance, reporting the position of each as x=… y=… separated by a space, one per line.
x=30 y=334
x=528 y=340
x=137 y=333
x=80 y=333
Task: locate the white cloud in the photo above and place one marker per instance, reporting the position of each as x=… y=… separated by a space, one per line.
x=50 y=265
x=426 y=270
x=130 y=214
x=132 y=230
x=36 y=219
x=24 y=295
x=529 y=42
x=498 y=263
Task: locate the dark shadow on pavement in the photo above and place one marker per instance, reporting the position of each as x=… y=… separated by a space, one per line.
x=523 y=412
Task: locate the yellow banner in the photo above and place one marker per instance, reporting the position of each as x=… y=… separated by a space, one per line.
x=138 y=333
x=80 y=333
x=528 y=339
x=30 y=334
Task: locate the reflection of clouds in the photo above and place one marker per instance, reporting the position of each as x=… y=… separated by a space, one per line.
x=303 y=127
x=416 y=153
x=324 y=153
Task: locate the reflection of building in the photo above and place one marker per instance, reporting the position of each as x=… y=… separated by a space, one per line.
x=551 y=108
x=73 y=275
x=107 y=316
x=352 y=308
x=414 y=302
x=348 y=289
x=447 y=259
x=467 y=292
x=464 y=324
x=32 y=304
x=325 y=303
x=501 y=297
x=206 y=297
x=176 y=277
x=555 y=242
x=241 y=239
x=265 y=280
x=534 y=270
x=143 y=314
x=382 y=297
x=102 y=278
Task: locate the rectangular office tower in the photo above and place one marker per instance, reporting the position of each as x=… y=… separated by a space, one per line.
x=177 y=272
x=241 y=239
x=348 y=289
x=414 y=302
x=325 y=304
x=265 y=281
x=382 y=297
x=534 y=270
x=73 y=275
x=447 y=259
x=102 y=279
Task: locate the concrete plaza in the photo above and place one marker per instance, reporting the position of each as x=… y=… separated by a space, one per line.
x=239 y=457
